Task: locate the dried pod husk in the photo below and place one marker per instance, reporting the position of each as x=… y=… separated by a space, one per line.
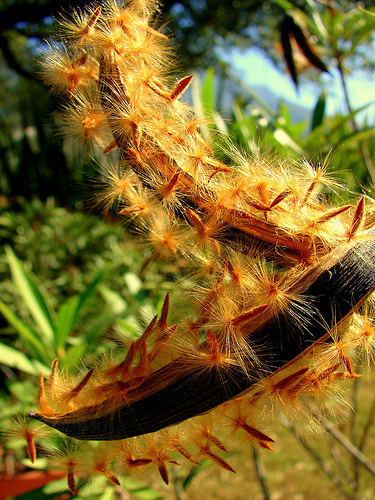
x=276 y=271
x=331 y=290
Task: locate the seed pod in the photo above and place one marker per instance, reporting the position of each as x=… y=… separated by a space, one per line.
x=333 y=289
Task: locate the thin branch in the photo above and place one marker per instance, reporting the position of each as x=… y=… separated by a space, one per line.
x=367 y=426
x=261 y=474
x=346 y=443
x=337 y=481
x=353 y=434
x=362 y=146
x=335 y=452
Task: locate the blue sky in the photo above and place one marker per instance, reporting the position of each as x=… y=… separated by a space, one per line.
x=258 y=71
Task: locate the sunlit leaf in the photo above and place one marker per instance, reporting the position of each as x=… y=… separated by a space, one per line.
x=65 y=320
x=31 y=339
x=318 y=114
x=208 y=91
x=32 y=297
x=17 y=360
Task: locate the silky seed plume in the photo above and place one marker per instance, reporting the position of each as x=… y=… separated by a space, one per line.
x=276 y=276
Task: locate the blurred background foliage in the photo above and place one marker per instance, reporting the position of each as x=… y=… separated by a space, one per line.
x=73 y=285
x=339 y=34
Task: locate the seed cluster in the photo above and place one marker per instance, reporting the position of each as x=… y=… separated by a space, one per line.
x=280 y=275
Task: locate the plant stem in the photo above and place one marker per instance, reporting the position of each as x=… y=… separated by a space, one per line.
x=260 y=471
x=346 y=443
x=338 y=460
x=367 y=426
x=337 y=481
x=363 y=148
x=353 y=434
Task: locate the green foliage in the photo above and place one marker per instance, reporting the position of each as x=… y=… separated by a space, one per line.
x=318 y=114
x=72 y=293
x=74 y=277
x=328 y=140
x=340 y=31
x=47 y=338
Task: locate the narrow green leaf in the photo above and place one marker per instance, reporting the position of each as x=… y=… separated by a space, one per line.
x=32 y=296
x=348 y=117
x=40 y=494
x=65 y=320
x=245 y=128
x=284 y=138
x=31 y=339
x=208 y=91
x=318 y=21
x=368 y=13
x=146 y=493
x=285 y=113
x=133 y=283
x=356 y=137
x=205 y=463
x=74 y=355
x=16 y=359
x=114 y=300
x=89 y=292
x=314 y=23
x=196 y=94
x=318 y=114
x=69 y=311
x=220 y=123
x=353 y=22
x=267 y=111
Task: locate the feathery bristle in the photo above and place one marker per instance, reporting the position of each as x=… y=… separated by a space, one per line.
x=278 y=275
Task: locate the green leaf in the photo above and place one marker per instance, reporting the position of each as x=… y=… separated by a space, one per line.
x=146 y=493
x=74 y=355
x=367 y=13
x=348 y=117
x=114 y=300
x=38 y=494
x=266 y=109
x=194 y=471
x=208 y=91
x=284 y=138
x=356 y=137
x=89 y=291
x=69 y=311
x=285 y=113
x=318 y=114
x=313 y=21
x=31 y=339
x=65 y=321
x=38 y=464
x=133 y=283
x=108 y=494
x=245 y=128
x=16 y=359
x=33 y=297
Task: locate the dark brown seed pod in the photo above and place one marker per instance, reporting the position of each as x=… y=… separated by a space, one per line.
x=331 y=290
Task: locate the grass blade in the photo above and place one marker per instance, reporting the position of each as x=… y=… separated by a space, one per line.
x=65 y=320
x=31 y=339
x=318 y=114
x=208 y=92
x=33 y=298
x=69 y=311
x=16 y=359
x=88 y=292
